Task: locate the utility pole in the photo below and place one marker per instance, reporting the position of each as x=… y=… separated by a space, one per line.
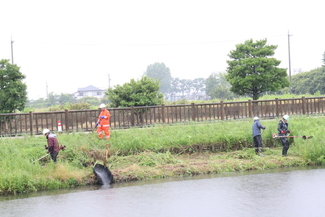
x=47 y=91
x=289 y=62
x=109 y=81
x=12 y=51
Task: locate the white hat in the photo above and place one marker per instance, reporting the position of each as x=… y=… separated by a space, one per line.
x=45 y=131
x=286 y=117
x=102 y=105
x=256 y=118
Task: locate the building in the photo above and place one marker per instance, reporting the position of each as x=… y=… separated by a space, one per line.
x=89 y=91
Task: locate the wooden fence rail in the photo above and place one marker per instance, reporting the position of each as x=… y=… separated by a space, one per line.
x=84 y=120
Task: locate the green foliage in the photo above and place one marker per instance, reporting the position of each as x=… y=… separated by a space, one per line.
x=143 y=92
x=66 y=98
x=198 y=84
x=217 y=87
x=51 y=99
x=252 y=70
x=152 y=159
x=37 y=104
x=90 y=100
x=160 y=72
x=309 y=82
x=13 y=94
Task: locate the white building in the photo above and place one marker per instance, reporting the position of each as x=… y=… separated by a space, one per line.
x=89 y=91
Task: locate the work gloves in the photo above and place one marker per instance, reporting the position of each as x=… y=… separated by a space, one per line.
x=102 y=116
x=285 y=131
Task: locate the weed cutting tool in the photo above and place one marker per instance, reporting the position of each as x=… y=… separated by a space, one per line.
x=303 y=137
x=41 y=158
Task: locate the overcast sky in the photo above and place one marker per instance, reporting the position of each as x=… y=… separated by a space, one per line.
x=71 y=44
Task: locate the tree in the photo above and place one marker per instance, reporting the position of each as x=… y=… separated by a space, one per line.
x=66 y=98
x=185 y=86
x=217 y=86
x=309 y=82
x=253 y=71
x=89 y=100
x=143 y=92
x=198 y=84
x=161 y=73
x=13 y=94
x=51 y=99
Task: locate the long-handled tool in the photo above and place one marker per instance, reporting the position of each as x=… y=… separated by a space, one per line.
x=41 y=158
x=94 y=127
x=303 y=137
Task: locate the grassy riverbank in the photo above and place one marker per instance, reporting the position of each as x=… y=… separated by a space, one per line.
x=156 y=152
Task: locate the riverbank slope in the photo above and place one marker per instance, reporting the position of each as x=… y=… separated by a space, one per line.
x=156 y=152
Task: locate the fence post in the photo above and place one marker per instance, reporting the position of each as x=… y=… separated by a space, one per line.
x=250 y=108
x=222 y=110
x=163 y=113
x=193 y=111
x=66 y=120
x=31 y=122
x=303 y=105
x=132 y=116
x=276 y=107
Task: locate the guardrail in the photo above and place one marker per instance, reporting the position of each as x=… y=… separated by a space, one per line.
x=84 y=120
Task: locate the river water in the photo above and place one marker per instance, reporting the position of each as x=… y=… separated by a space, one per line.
x=284 y=193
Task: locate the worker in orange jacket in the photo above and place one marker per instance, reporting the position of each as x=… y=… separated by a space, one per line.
x=103 y=122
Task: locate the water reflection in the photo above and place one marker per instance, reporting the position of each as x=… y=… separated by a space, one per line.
x=289 y=192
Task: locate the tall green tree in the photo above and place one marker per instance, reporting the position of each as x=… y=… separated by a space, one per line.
x=160 y=72
x=252 y=70
x=143 y=92
x=13 y=94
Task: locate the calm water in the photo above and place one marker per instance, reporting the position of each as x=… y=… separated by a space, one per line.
x=290 y=192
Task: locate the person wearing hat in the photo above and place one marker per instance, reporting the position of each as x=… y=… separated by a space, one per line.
x=257 y=138
x=282 y=133
x=103 y=122
x=52 y=144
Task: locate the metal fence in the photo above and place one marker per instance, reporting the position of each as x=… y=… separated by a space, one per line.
x=84 y=120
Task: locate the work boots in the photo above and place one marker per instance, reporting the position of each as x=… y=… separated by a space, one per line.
x=258 y=151
x=284 y=151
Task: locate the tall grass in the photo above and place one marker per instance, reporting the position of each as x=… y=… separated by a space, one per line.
x=22 y=171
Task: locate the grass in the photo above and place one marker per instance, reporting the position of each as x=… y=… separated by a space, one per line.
x=156 y=152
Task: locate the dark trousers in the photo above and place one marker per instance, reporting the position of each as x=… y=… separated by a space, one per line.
x=54 y=155
x=285 y=144
x=258 y=141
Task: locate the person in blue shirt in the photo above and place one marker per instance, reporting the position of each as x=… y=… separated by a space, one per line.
x=257 y=138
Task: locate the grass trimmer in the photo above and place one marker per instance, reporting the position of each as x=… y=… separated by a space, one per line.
x=303 y=137
x=41 y=158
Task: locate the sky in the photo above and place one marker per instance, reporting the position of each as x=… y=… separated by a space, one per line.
x=64 y=45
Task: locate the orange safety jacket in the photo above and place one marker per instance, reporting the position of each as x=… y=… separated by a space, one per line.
x=105 y=121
